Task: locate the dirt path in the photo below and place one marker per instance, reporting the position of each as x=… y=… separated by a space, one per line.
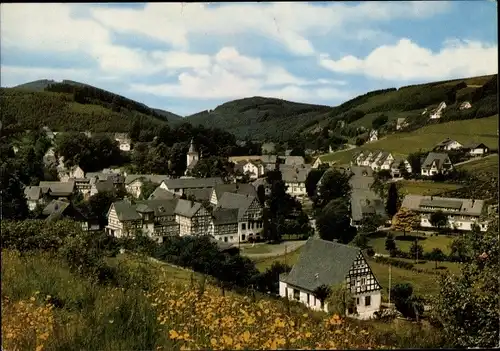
x=274 y=250
x=474 y=159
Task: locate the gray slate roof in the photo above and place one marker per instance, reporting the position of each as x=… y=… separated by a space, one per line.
x=439 y=157
x=58 y=188
x=187 y=208
x=365 y=202
x=161 y=194
x=465 y=206
x=236 y=201
x=294 y=174
x=32 y=193
x=104 y=186
x=187 y=183
x=199 y=194
x=294 y=160
x=154 y=178
x=322 y=262
x=235 y=188
x=223 y=216
x=475 y=146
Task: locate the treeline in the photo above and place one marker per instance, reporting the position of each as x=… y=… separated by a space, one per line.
x=60 y=113
x=86 y=94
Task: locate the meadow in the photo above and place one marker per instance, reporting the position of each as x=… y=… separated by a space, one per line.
x=425 y=187
x=52 y=308
x=466 y=131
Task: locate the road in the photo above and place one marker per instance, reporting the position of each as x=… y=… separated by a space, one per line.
x=274 y=250
x=474 y=159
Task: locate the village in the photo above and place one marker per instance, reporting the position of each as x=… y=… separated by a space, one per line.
x=231 y=212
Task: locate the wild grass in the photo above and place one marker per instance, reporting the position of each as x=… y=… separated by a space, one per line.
x=426 y=187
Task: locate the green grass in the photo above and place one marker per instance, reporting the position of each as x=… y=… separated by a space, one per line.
x=487 y=165
x=467 y=131
x=428 y=242
x=290 y=259
x=257 y=249
x=426 y=187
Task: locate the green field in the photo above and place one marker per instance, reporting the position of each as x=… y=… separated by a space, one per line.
x=467 y=131
x=487 y=165
x=425 y=187
x=428 y=242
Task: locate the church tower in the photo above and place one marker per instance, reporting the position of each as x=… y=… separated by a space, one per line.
x=192 y=155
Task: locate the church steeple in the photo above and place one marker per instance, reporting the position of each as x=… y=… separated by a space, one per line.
x=192 y=149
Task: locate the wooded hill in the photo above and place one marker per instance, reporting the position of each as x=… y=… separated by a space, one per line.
x=274 y=119
x=74 y=106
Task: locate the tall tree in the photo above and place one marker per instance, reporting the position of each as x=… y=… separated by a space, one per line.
x=405 y=220
x=312 y=180
x=468 y=304
x=13 y=204
x=334 y=222
x=391 y=206
x=334 y=185
x=438 y=219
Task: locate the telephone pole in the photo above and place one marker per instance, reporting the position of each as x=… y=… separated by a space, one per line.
x=390 y=271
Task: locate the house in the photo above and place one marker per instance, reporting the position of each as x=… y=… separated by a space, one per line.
x=436 y=163
x=180 y=185
x=192 y=157
x=373 y=136
x=294 y=160
x=74 y=172
x=234 y=188
x=295 y=180
x=101 y=186
x=250 y=223
x=436 y=113
x=401 y=123
x=365 y=203
x=263 y=182
x=124 y=142
x=465 y=105
x=158 y=218
x=134 y=182
x=225 y=225
x=382 y=160
x=34 y=196
x=58 y=190
x=268 y=148
x=161 y=194
x=62 y=209
x=462 y=213
x=255 y=169
x=398 y=164
x=332 y=264
x=318 y=162
x=477 y=149
x=265 y=159
x=448 y=145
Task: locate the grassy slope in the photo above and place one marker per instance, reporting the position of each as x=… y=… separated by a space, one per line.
x=466 y=131
x=487 y=165
x=426 y=187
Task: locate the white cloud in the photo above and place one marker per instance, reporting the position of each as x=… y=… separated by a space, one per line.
x=408 y=61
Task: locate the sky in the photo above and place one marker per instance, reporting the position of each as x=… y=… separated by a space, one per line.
x=186 y=58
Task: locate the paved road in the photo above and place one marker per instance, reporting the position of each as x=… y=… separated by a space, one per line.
x=474 y=159
x=275 y=250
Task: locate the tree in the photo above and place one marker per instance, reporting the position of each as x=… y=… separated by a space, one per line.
x=468 y=304
x=439 y=219
x=370 y=224
x=13 y=201
x=361 y=240
x=334 y=222
x=279 y=204
x=408 y=305
x=437 y=255
x=391 y=206
x=322 y=293
x=390 y=244
x=405 y=220
x=99 y=205
x=360 y=141
x=212 y=166
x=334 y=185
x=135 y=130
x=379 y=121
x=415 y=160
x=341 y=301
x=147 y=188
x=312 y=180
x=416 y=250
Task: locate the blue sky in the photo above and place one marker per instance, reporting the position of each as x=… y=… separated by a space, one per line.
x=189 y=57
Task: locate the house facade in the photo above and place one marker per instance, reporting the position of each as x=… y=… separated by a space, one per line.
x=373 y=136
x=462 y=214
x=124 y=142
x=437 y=113
x=254 y=169
x=435 y=163
x=134 y=182
x=295 y=180
x=448 y=145
x=477 y=149
x=334 y=265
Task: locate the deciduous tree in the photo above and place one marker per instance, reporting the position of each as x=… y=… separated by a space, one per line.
x=405 y=221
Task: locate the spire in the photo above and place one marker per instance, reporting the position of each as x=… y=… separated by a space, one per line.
x=192 y=149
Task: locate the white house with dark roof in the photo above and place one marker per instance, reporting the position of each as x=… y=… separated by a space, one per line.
x=398 y=164
x=295 y=179
x=462 y=214
x=58 y=190
x=373 y=136
x=225 y=225
x=134 y=182
x=465 y=105
x=401 y=123
x=34 y=196
x=435 y=163
x=436 y=113
x=179 y=185
x=250 y=223
x=448 y=145
x=332 y=264
x=477 y=149
x=254 y=169
x=124 y=141
x=235 y=188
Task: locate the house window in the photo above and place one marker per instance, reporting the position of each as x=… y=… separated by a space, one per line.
x=368 y=300
x=296 y=294
x=231 y=238
x=357 y=300
x=243 y=237
x=225 y=239
x=243 y=226
x=308 y=298
x=363 y=281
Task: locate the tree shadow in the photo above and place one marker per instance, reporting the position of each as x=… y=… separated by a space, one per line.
x=410 y=238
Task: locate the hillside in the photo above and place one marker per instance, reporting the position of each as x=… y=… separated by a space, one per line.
x=75 y=106
x=172 y=118
x=260 y=117
x=269 y=118
x=467 y=131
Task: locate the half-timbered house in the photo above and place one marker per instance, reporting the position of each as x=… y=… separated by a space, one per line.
x=332 y=264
